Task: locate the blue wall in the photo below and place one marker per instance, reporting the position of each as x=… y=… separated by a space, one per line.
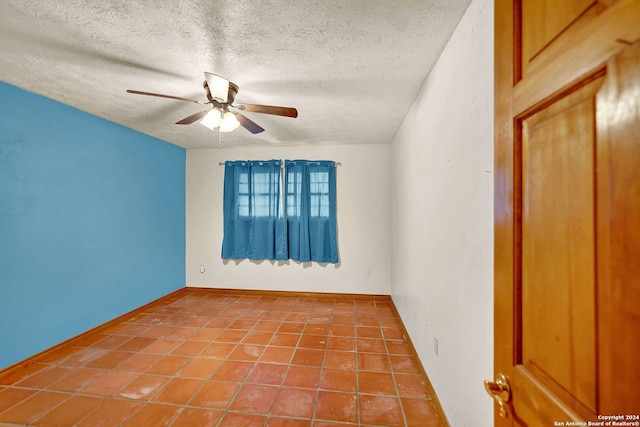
x=92 y=221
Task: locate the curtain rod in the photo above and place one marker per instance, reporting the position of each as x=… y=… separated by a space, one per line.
x=337 y=163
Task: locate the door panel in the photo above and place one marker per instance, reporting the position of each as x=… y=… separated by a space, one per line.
x=567 y=209
x=558 y=239
x=618 y=215
x=544 y=20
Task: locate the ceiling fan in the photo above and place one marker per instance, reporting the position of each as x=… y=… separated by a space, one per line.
x=221 y=94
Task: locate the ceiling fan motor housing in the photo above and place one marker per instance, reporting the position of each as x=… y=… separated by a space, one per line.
x=233 y=91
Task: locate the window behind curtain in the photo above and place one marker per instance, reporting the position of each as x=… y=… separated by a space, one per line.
x=310 y=188
x=255 y=227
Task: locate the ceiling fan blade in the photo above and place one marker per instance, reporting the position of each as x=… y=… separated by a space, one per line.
x=269 y=109
x=193 y=118
x=218 y=86
x=179 y=98
x=249 y=125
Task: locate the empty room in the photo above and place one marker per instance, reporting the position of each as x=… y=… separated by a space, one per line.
x=319 y=213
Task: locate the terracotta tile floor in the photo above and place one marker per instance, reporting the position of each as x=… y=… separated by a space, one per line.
x=212 y=358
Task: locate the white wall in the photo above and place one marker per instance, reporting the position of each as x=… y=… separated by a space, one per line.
x=442 y=220
x=363 y=213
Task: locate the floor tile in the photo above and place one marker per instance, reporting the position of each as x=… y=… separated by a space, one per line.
x=247 y=352
x=276 y=355
x=157 y=331
x=206 y=334
x=285 y=340
x=162 y=346
x=258 y=337
x=242 y=324
x=338 y=380
x=192 y=417
x=168 y=365
x=341 y=343
x=371 y=345
x=337 y=406
x=411 y=385
x=288 y=422
x=178 y=391
x=110 y=342
x=302 y=377
x=13 y=376
x=254 y=398
x=11 y=396
x=294 y=402
x=189 y=348
x=317 y=342
x=333 y=424
x=398 y=347
x=367 y=321
x=133 y=329
x=82 y=356
x=140 y=362
x=307 y=357
x=182 y=333
x=233 y=419
x=317 y=328
x=110 y=359
x=69 y=412
x=381 y=411
x=392 y=334
x=89 y=339
x=135 y=344
x=109 y=383
x=291 y=327
x=267 y=326
x=217 y=350
x=267 y=373
x=45 y=377
x=77 y=379
x=143 y=387
x=390 y=322
x=215 y=394
x=232 y=335
x=33 y=407
x=219 y=323
x=201 y=368
x=153 y=414
x=340 y=360
x=373 y=362
x=347 y=320
x=376 y=383
x=233 y=370
x=420 y=413
x=368 y=332
x=404 y=364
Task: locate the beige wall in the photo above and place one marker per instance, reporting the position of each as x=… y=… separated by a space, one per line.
x=364 y=218
x=442 y=220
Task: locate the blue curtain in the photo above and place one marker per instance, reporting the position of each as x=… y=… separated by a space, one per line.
x=310 y=210
x=254 y=226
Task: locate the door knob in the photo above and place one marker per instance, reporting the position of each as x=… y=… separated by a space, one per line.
x=500 y=391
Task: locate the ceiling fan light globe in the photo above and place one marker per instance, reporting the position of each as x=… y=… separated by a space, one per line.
x=229 y=122
x=212 y=119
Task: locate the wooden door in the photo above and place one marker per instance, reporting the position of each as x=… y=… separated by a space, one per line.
x=567 y=210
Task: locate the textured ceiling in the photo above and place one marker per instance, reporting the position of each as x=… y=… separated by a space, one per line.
x=352 y=68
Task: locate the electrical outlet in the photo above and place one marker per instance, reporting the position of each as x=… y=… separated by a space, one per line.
x=435 y=345
x=202 y=269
